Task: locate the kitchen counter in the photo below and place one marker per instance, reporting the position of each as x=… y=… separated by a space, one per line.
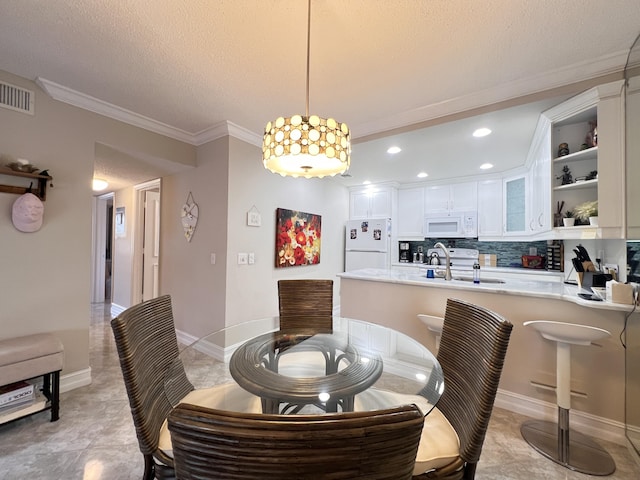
x=549 y=286
x=394 y=298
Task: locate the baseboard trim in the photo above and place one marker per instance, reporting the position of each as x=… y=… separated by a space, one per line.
x=116 y=310
x=592 y=425
x=74 y=380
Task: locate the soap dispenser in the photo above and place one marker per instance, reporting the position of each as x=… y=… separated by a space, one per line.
x=476 y=272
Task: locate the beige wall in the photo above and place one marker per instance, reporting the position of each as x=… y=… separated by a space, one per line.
x=229 y=181
x=45 y=276
x=197 y=287
x=252 y=289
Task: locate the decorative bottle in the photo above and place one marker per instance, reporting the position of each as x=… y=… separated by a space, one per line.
x=476 y=272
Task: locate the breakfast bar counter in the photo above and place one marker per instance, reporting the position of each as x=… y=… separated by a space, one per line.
x=394 y=298
x=526 y=284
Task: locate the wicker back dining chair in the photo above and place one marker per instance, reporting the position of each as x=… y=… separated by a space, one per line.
x=472 y=351
x=306 y=304
x=147 y=346
x=214 y=444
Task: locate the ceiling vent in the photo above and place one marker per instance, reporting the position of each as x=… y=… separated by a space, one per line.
x=16 y=98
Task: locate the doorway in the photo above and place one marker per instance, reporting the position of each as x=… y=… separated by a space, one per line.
x=102 y=249
x=146 y=259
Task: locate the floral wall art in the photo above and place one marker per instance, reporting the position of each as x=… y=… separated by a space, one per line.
x=297 y=238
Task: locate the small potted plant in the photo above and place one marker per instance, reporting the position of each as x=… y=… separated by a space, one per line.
x=587 y=212
x=568 y=220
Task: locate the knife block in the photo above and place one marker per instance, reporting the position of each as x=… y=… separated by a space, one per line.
x=592 y=279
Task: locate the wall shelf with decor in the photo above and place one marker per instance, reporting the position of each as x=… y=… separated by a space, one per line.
x=578 y=185
x=588 y=166
x=40 y=190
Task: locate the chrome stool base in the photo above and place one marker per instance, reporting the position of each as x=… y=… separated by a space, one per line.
x=570 y=449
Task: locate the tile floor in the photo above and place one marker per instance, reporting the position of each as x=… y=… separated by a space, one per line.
x=95 y=440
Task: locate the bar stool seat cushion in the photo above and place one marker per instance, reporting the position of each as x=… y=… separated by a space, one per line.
x=573 y=333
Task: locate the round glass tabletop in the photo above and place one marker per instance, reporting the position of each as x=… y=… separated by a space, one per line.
x=256 y=367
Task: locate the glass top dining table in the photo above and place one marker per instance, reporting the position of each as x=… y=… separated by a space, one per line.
x=256 y=366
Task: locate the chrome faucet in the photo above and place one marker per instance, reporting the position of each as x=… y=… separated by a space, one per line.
x=447 y=273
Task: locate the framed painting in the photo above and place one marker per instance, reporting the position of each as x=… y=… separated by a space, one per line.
x=298 y=237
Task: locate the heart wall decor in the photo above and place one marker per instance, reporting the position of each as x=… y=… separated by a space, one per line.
x=189 y=217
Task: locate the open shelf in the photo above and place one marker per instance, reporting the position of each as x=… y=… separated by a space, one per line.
x=578 y=185
x=40 y=190
x=587 y=154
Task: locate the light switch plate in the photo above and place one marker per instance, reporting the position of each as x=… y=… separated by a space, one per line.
x=252 y=258
x=243 y=259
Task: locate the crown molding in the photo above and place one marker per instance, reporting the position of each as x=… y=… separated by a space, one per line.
x=87 y=102
x=567 y=75
x=561 y=77
x=224 y=129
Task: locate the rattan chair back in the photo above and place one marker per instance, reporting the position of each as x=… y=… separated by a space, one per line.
x=472 y=351
x=306 y=304
x=214 y=444
x=147 y=346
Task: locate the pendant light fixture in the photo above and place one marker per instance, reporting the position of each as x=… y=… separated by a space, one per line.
x=306 y=145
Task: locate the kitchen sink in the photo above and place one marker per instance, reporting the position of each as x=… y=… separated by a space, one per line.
x=482 y=280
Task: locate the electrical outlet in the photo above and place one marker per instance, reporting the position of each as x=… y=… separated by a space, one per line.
x=243 y=259
x=252 y=258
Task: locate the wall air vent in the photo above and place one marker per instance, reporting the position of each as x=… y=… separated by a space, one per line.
x=16 y=98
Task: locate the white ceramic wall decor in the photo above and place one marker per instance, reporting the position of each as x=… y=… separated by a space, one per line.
x=27 y=212
x=189 y=217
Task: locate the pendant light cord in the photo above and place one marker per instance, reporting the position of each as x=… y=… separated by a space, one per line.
x=308 y=50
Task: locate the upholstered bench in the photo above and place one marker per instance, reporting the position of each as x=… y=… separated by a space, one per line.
x=32 y=356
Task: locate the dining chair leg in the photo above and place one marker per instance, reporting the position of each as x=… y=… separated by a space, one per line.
x=149 y=468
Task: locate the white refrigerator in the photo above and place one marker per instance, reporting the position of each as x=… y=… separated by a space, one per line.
x=367 y=244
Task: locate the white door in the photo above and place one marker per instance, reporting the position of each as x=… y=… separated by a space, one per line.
x=151 y=245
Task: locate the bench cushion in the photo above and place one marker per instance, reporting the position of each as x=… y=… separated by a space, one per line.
x=30 y=356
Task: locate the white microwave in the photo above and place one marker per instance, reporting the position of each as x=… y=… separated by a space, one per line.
x=454 y=225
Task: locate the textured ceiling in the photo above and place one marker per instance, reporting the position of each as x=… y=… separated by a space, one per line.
x=375 y=64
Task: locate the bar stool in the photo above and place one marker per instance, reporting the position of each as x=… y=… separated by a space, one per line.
x=572 y=450
x=433 y=324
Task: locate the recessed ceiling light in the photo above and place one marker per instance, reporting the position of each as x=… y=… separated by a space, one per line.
x=394 y=150
x=486 y=166
x=423 y=175
x=99 y=184
x=366 y=182
x=481 y=132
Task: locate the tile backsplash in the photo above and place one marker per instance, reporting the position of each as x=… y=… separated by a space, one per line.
x=633 y=261
x=509 y=254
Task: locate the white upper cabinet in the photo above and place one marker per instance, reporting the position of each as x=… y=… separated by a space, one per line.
x=371 y=202
x=515 y=205
x=447 y=199
x=540 y=218
x=490 y=208
x=410 y=213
